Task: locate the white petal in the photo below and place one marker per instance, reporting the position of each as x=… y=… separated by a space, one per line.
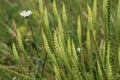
x=29 y=12
x=78 y=49
x=26 y=13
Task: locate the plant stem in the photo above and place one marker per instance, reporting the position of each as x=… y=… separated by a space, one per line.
x=30 y=25
x=43 y=67
x=33 y=37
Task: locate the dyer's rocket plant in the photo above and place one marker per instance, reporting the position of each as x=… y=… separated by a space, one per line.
x=68 y=54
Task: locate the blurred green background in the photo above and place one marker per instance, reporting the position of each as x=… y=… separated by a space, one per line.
x=10 y=9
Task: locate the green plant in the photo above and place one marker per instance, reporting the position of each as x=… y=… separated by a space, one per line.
x=59 y=57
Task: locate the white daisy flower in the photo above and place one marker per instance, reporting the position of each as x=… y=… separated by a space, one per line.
x=25 y=13
x=78 y=49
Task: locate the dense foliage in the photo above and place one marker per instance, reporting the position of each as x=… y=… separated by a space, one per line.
x=61 y=40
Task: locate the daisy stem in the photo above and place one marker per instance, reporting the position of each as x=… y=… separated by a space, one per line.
x=30 y=25
x=33 y=37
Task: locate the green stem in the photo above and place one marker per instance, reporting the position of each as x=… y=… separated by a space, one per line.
x=16 y=73
x=30 y=25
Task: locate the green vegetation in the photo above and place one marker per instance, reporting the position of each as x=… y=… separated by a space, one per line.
x=61 y=40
